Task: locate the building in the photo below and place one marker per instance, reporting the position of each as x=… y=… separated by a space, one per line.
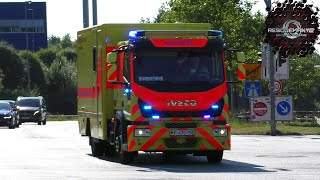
x=24 y=24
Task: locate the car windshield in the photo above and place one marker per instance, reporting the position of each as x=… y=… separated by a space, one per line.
x=5 y=106
x=157 y=69
x=28 y=103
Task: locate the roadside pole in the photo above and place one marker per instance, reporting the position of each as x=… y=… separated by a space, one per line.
x=271 y=58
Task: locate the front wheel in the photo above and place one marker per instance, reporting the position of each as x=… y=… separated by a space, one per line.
x=124 y=156
x=214 y=156
x=12 y=124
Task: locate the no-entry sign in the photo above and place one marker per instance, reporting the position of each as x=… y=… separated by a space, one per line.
x=260 y=108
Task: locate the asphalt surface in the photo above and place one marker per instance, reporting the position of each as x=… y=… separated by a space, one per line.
x=57 y=151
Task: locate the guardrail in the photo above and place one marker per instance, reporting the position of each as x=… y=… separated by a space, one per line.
x=60 y=117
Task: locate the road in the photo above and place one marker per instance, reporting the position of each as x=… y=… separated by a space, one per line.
x=57 y=151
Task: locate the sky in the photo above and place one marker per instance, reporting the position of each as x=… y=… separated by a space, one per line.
x=65 y=16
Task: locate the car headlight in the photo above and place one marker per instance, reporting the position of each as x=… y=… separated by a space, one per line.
x=142 y=132
x=36 y=113
x=220 y=132
x=7 y=117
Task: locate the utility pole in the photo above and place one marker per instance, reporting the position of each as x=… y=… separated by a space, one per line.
x=27 y=44
x=94 y=13
x=271 y=58
x=85 y=5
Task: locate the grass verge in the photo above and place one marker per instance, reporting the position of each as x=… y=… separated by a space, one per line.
x=264 y=128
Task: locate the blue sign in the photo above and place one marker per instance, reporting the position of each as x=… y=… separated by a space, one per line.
x=252 y=88
x=283 y=108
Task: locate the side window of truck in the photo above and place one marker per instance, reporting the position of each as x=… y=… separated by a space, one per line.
x=94 y=58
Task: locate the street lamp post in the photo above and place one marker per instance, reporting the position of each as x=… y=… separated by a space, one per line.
x=31 y=10
x=27 y=44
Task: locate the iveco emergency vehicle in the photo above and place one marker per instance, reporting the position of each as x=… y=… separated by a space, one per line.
x=136 y=93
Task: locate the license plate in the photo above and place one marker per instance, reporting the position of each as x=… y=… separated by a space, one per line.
x=182 y=132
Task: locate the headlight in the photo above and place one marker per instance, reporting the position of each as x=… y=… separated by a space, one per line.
x=220 y=132
x=36 y=113
x=7 y=117
x=142 y=132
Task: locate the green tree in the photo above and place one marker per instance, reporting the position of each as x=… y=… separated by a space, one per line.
x=47 y=56
x=62 y=95
x=11 y=66
x=304 y=82
x=54 y=41
x=36 y=68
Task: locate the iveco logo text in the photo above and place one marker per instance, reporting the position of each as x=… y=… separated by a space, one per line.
x=182 y=103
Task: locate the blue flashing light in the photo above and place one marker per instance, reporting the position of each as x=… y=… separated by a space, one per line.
x=215 y=106
x=132 y=34
x=107 y=39
x=155 y=117
x=147 y=107
x=215 y=33
x=206 y=116
x=127 y=90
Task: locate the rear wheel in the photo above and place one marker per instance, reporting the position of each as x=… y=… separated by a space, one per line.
x=215 y=156
x=96 y=147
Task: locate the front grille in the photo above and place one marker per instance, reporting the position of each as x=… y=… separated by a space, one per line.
x=26 y=113
x=186 y=143
x=180 y=125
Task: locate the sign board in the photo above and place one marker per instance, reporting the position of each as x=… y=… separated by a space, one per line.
x=253 y=71
x=281 y=70
x=260 y=108
x=284 y=108
x=277 y=86
x=252 y=88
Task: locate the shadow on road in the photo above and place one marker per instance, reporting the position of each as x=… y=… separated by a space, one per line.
x=149 y=162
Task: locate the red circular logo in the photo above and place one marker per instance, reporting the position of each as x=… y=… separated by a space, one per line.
x=292 y=27
x=260 y=109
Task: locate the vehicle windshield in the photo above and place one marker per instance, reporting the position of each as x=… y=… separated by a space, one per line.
x=28 y=103
x=178 y=71
x=5 y=106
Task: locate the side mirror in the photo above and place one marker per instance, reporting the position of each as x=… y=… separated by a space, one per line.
x=112 y=57
x=241 y=57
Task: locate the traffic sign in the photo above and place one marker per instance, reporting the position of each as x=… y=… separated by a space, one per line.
x=253 y=71
x=284 y=108
x=281 y=70
x=277 y=86
x=252 y=88
x=260 y=109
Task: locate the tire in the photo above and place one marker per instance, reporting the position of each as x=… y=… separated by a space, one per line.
x=214 y=156
x=96 y=147
x=39 y=123
x=16 y=123
x=44 y=122
x=125 y=157
x=12 y=124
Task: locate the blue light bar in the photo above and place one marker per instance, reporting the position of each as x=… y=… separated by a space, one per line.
x=215 y=33
x=215 y=106
x=147 y=107
x=127 y=90
x=132 y=34
x=155 y=117
x=206 y=116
